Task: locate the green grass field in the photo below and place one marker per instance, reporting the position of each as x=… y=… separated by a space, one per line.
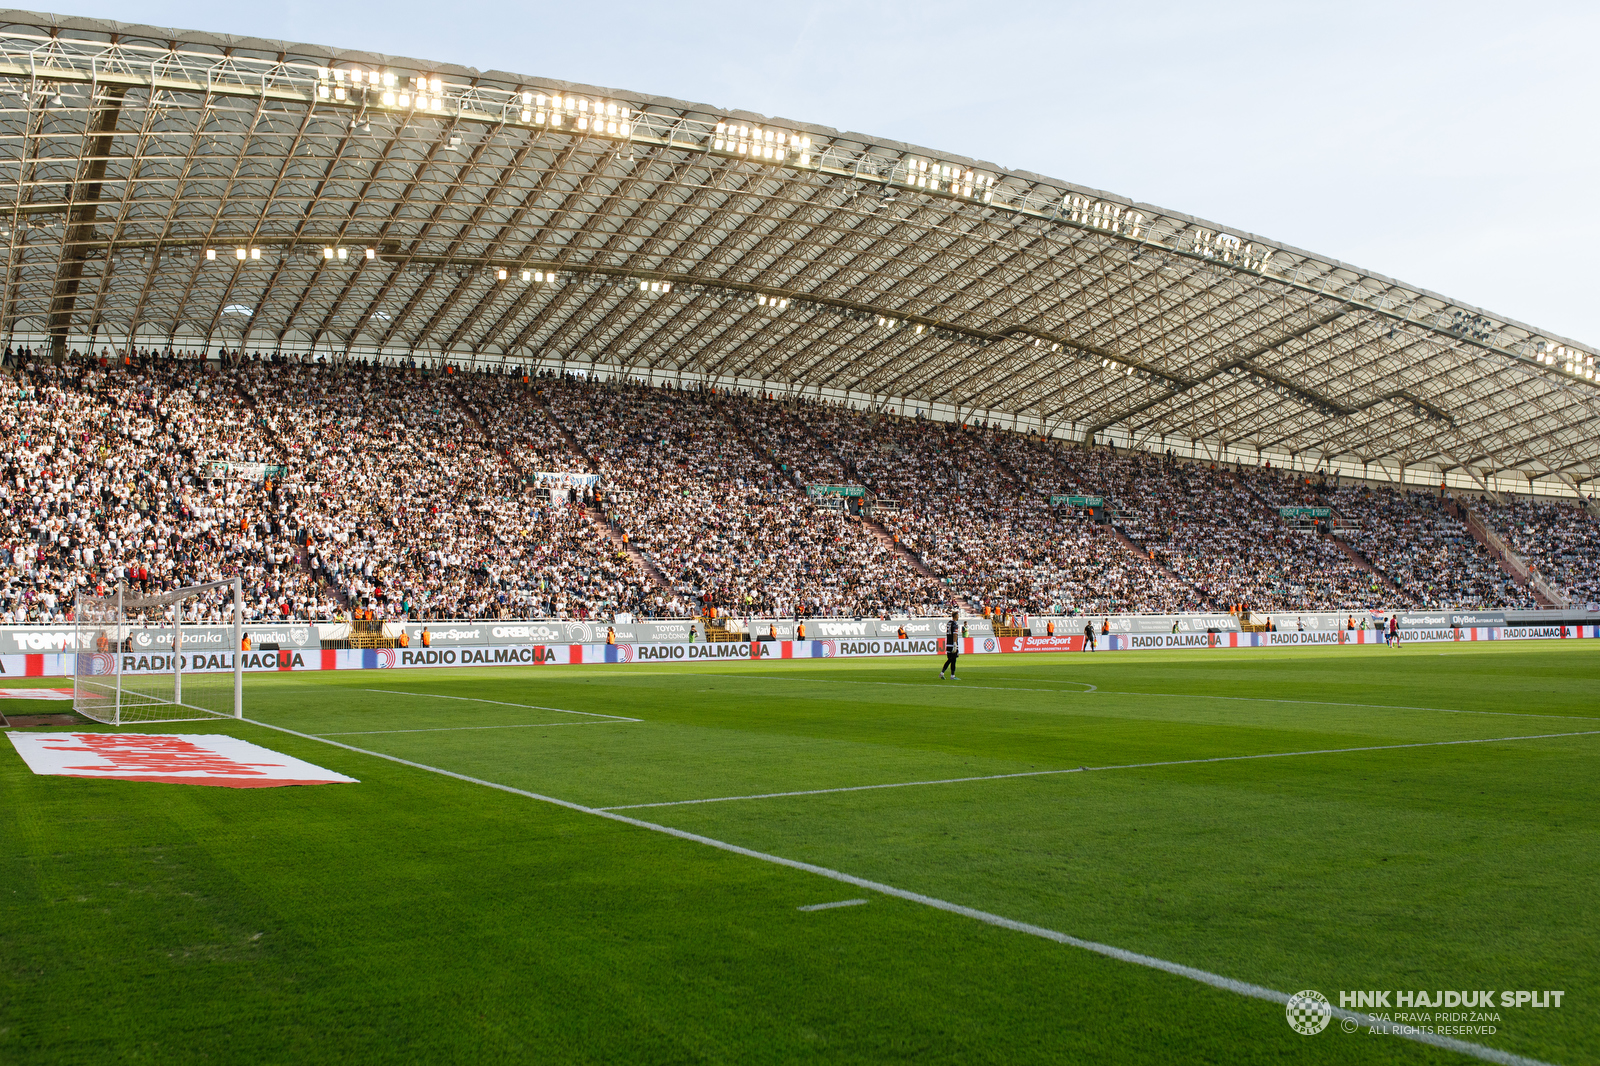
x=417 y=917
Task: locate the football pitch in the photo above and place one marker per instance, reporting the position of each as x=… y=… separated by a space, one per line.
x=1059 y=858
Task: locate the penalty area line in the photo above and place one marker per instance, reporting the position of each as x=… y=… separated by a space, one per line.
x=503 y=703
x=1205 y=977
x=1092 y=769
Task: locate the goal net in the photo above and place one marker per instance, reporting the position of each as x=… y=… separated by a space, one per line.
x=167 y=657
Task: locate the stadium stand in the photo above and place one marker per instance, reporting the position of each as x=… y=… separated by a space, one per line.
x=403 y=491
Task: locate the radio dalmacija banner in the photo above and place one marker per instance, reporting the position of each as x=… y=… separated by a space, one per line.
x=56 y=664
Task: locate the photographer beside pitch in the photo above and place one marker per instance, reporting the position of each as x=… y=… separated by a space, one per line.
x=952 y=647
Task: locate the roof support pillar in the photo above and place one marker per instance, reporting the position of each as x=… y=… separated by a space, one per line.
x=81 y=220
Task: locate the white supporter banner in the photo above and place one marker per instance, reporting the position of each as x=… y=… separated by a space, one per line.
x=167 y=758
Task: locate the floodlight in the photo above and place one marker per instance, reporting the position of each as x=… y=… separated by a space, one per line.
x=501 y=274
x=341 y=252
x=404 y=99
x=255 y=253
x=327 y=253
x=211 y=253
x=436 y=85
x=527 y=275
x=238 y=253
x=372 y=253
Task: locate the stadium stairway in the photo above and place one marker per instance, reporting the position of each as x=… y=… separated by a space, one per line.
x=1000 y=461
x=250 y=401
x=571 y=441
x=1355 y=556
x=1144 y=556
x=911 y=557
x=1364 y=563
x=1501 y=551
x=641 y=562
x=735 y=423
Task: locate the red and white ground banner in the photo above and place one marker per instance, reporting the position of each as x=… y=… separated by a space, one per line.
x=35 y=693
x=186 y=759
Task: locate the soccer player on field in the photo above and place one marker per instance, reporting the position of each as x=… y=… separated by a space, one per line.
x=952 y=647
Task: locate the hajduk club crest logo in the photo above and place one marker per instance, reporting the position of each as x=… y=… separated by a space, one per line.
x=1308 y=1012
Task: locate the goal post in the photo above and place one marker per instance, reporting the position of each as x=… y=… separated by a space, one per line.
x=166 y=657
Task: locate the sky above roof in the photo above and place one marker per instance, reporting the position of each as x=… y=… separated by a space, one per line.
x=1451 y=146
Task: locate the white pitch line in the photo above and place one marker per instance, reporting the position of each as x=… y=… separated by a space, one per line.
x=1089 y=769
x=1371 y=706
x=1227 y=984
x=831 y=906
x=502 y=703
x=458 y=728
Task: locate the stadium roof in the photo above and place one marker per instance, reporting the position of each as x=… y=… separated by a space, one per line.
x=168 y=186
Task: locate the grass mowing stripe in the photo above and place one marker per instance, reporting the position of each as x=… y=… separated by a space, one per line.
x=458 y=728
x=1088 y=769
x=1206 y=977
x=1174 y=696
x=959 y=684
x=502 y=703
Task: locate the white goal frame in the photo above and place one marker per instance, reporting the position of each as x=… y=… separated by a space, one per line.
x=102 y=622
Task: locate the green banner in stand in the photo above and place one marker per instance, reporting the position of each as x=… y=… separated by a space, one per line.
x=1078 y=501
x=1305 y=512
x=819 y=491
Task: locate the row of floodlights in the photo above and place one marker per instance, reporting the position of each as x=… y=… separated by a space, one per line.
x=945 y=177
x=1571 y=361
x=244 y=253
x=426 y=93
x=774 y=146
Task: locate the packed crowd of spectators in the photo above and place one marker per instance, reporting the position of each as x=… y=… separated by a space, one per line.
x=1558 y=538
x=1427 y=552
x=381 y=491
x=722 y=522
